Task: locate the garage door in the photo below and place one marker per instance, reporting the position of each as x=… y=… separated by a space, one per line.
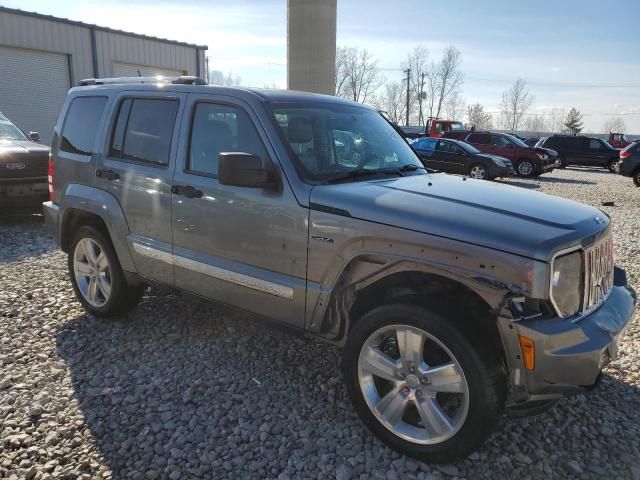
x=132 y=70
x=33 y=87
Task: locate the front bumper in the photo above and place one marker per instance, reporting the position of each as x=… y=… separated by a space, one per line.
x=548 y=166
x=22 y=191
x=498 y=171
x=568 y=356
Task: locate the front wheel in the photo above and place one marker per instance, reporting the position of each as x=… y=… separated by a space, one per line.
x=636 y=177
x=478 y=171
x=611 y=165
x=525 y=168
x=97 y=277
x=563 y=163
x=420 y=385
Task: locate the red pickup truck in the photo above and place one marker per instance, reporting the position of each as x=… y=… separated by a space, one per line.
x=618 y=140
x=435 y=127
x=527 y=161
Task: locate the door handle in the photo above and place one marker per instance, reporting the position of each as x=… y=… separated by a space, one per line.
x=186 y=190
x=107 y=174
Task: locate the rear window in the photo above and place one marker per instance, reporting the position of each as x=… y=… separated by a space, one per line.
x=143 y=130
x=81 y=125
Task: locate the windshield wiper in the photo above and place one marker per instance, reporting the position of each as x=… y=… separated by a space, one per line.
x=361 y=172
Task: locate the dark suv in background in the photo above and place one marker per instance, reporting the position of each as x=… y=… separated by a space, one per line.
x=527 y=161
x=579 y=150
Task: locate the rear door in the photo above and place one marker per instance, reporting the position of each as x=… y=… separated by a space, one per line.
x=574 y=148
x=482 y=141
x=137 y=168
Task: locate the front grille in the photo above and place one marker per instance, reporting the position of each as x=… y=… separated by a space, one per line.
x=14 y=166
x=598 y=262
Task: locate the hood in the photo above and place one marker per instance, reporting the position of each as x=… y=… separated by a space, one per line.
x=491 y=156
x=22 y=147
x=548 y=151
x=511 y=219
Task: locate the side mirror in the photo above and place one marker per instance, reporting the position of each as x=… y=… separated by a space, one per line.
x=244 y=170
x=34 y=136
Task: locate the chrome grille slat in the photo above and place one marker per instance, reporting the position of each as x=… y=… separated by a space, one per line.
x=598 y=263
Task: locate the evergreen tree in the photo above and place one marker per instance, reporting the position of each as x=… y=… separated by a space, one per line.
x=574 y=121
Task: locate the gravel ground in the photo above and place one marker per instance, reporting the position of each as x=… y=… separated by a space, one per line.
x=178 y=389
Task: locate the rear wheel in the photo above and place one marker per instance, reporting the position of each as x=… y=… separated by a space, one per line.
x=478 y=171
x=97 y=277
x=525 y=168
x=420 y=385
x=636 y=177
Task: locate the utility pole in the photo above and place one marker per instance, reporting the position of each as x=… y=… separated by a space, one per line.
x=408 y=72
x=421 y=99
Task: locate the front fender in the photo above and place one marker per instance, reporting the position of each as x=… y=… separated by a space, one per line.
x=104 y=205
x=348 y=254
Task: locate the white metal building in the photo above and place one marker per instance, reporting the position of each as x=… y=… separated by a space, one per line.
x=42 y=56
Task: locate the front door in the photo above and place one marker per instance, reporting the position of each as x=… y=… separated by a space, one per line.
x=246 y=247
x=450 y=158
x=137 y=166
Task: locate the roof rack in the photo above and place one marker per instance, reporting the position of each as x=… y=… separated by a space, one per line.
x=182 y=80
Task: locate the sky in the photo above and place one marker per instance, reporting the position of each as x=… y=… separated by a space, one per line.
x=583 y=54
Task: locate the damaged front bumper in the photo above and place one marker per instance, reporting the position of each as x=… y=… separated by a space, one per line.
x=569 y=356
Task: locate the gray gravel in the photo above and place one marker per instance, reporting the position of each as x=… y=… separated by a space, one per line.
x=179 y=389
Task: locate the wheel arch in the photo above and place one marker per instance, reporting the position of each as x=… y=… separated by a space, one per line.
x=85 y=205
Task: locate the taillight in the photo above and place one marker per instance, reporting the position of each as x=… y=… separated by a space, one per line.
x=52 y=193
x=625 y=154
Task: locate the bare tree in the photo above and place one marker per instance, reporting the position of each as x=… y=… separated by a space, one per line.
x=515 y=102
x=357 y=74
x=535 y=123
x=392 y=100
x=217 y=77
x=449 y=77
x=454 y=106
x=477 y=117
x=417 y=62
x=615 y=125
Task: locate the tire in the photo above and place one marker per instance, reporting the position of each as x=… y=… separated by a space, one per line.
x=563 y=163
x=525 y=168
x=101 y=269
x=611 y=165
x=478 y=171
x=477 y=375
x=636 y=177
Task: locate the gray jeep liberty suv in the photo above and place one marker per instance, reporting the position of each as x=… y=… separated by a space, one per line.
x=453 y=298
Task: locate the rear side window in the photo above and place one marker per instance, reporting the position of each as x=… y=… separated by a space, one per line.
x=552 y=142
x=81 y=125
x=143 y=130
x=576 y=143
x=481 y=138
x=220 y=128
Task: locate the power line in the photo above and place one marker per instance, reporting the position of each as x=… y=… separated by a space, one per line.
x=556 y=84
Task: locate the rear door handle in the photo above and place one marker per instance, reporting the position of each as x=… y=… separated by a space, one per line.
x=107 y=174
x=186 y=190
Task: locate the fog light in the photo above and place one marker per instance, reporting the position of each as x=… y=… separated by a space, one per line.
x=528 y=348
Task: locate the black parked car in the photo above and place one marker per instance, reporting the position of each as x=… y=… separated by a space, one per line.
x=629 y=164
x=531 y=141
x=454 y=156
x=23 y=166
x=579 y=150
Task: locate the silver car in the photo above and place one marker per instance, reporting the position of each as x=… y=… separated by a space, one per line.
x=453 y=298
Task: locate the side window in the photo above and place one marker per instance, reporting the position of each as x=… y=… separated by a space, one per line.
x=442 y=146
x=81 y=124
x=220 y=128
x=499 y=141
x=480 y=138
x=143 y=130
x=595 y=144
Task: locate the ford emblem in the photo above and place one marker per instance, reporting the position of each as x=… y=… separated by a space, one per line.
x=15 y=166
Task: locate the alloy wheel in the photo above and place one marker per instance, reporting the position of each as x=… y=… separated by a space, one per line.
x=413 y=384
x=525 y=168
x=92 y=272
x=478 y=171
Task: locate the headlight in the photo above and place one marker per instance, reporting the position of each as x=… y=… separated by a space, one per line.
x=566 y=284
x=542 y=156
x=498 y=161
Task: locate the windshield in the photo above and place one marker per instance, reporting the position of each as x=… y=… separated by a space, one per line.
x=331 y=140
x=456 y=126
x=516 y=141
x=8 y=131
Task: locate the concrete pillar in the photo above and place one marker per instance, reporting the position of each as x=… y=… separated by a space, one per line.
x=311 y=45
